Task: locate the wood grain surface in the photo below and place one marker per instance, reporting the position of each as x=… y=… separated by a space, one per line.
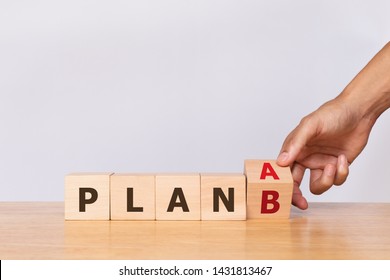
x=37 y=230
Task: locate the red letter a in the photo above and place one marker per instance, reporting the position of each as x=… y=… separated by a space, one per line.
x=268 y=171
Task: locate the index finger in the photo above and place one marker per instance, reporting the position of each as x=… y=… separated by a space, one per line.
x=296 y=141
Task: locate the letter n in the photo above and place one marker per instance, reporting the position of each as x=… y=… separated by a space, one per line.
x=228 y=202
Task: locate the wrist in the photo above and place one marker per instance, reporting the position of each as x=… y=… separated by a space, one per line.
x=369 y=92
x=365 y=103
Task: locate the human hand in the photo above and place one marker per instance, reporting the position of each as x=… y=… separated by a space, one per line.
x=326 y=141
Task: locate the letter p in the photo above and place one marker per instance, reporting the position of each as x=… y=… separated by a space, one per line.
x=83 y=201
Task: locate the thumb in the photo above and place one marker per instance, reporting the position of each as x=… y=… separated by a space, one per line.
x=295 y=142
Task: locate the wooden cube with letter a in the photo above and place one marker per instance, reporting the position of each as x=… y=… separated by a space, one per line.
x=269 y=189
x=87 y=196
x=178 y=197
x=133 y=196
x=223 y=196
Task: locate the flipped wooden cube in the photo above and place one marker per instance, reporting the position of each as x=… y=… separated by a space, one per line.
x=223 y=197
x=178 y=197
x=87 y=196
x=133 y=196
x=269 y=189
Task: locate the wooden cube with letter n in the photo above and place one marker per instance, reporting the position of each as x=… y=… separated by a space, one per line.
x=223 y=196
x=87 y=196
x=269 y=189
x=178 y=197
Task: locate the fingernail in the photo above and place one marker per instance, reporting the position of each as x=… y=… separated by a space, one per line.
x=283 y=157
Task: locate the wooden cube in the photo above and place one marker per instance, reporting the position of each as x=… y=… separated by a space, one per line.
x=133 y=196
x=223 y=197
x=269 y=189
x=87 y=196
x=178 y=197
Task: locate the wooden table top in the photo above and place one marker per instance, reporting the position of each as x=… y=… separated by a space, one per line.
x=37 y=230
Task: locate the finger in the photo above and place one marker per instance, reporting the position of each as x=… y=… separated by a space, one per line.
x=298 y=199
x=318 y=161
x=322 y=180
x=295 y=142
x=297 y=172
x=342 y=170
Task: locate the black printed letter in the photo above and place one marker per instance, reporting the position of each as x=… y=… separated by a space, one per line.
x=130 y=202
x=229 y=203
x=178 y=193
x=83 y=201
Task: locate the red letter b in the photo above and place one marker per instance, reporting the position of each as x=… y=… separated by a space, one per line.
x=269 y=197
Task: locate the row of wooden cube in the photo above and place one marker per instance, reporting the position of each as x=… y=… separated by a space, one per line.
x=264 y=190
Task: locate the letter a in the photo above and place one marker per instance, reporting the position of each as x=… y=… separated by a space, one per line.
x=268 y=171
x=178 y=193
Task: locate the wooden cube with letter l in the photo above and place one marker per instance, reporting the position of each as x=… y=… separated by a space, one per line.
x=87 y=196
x=133 y=196
x=269 y=189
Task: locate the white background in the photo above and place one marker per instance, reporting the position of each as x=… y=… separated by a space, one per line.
x=186 y=86
x=109 y=269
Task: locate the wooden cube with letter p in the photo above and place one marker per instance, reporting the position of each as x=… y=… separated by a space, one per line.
x=87 y=196
x=269 y=189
